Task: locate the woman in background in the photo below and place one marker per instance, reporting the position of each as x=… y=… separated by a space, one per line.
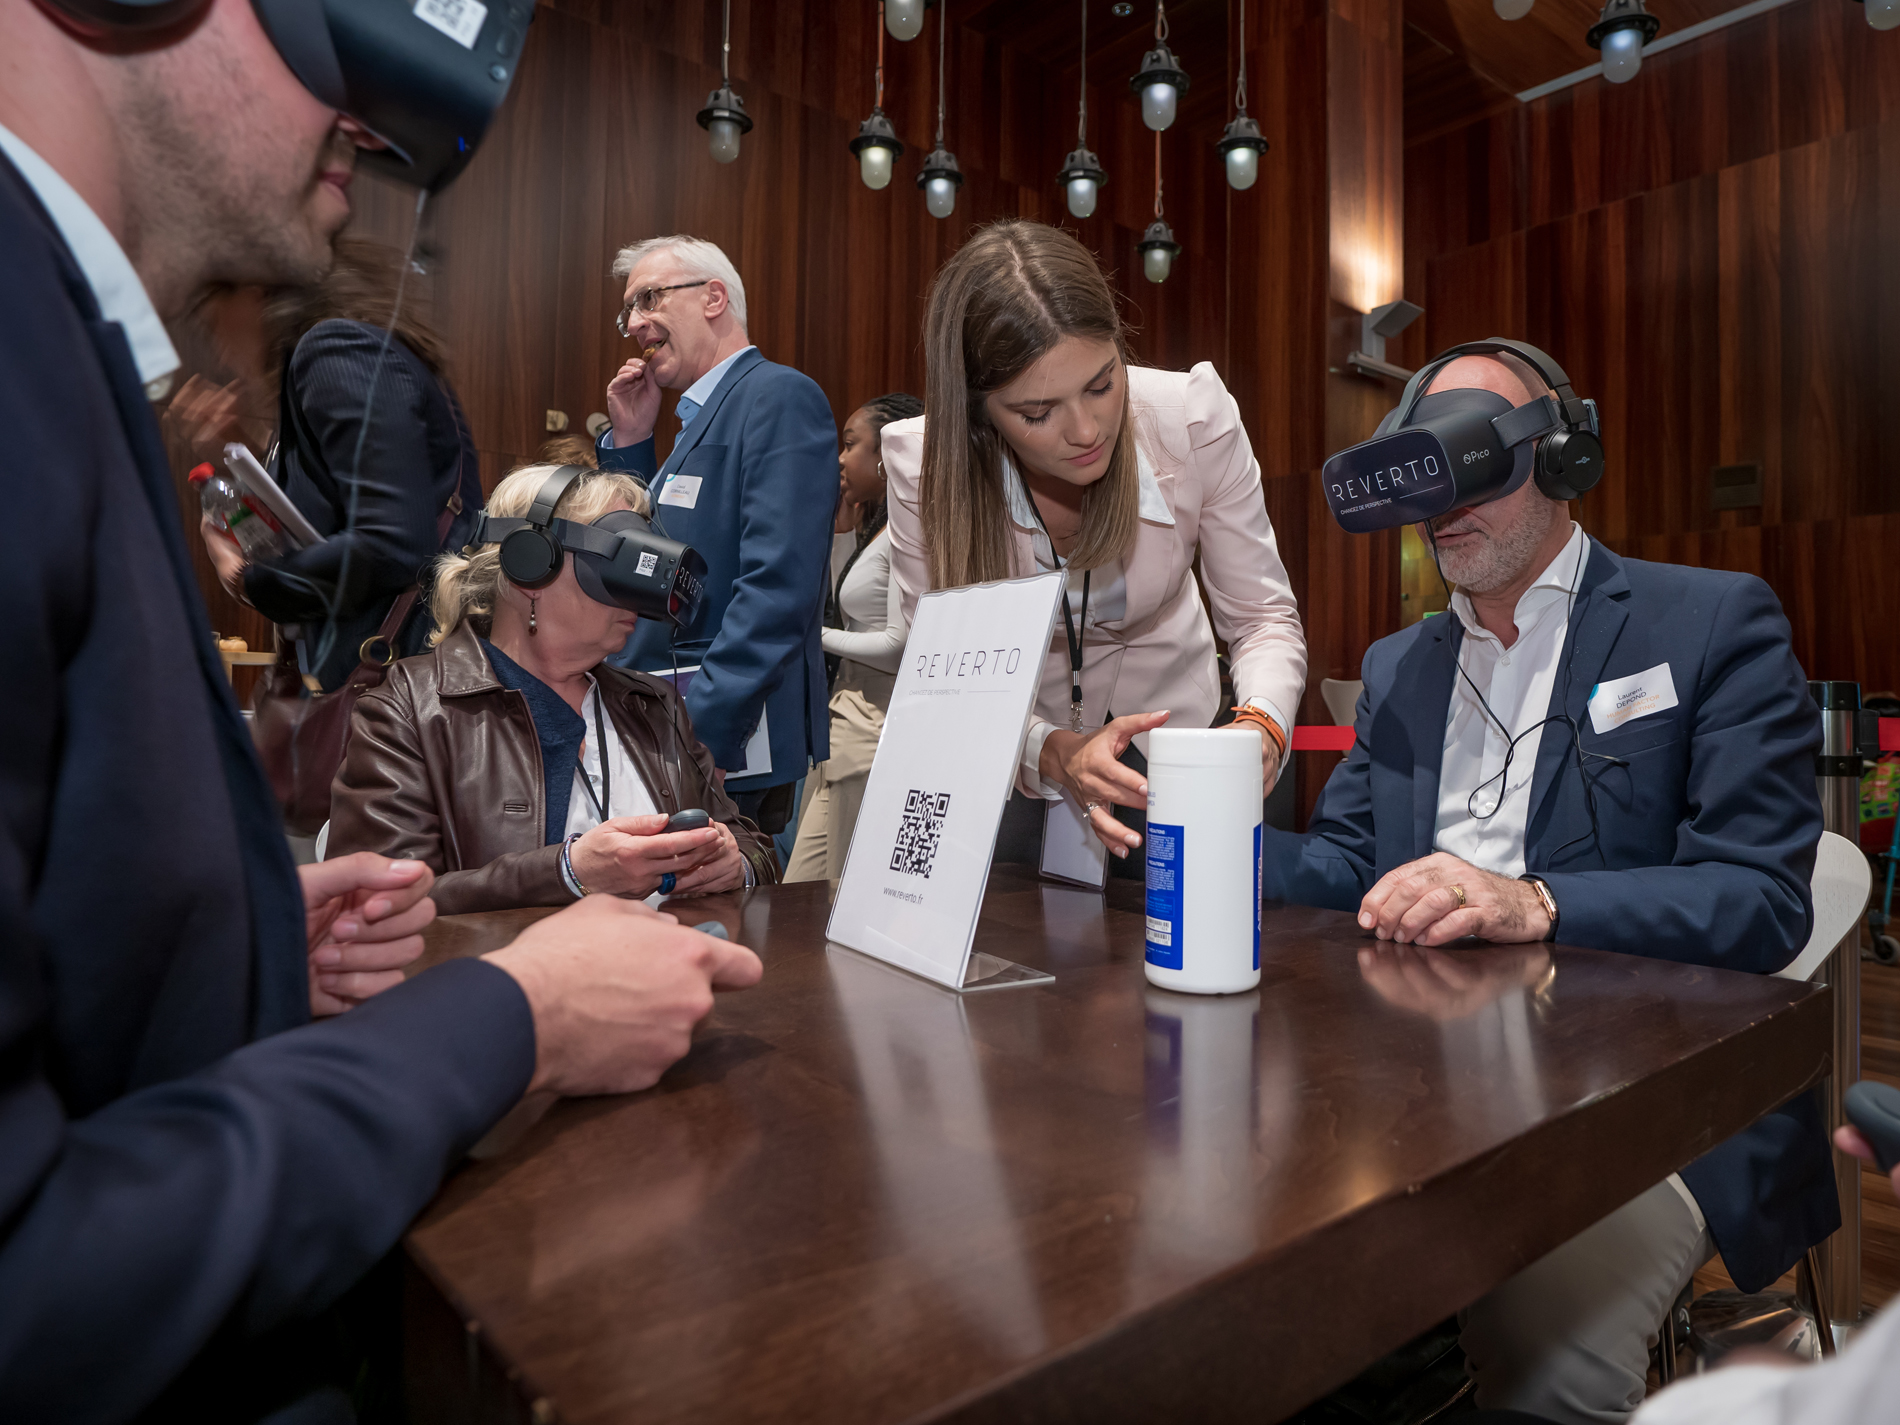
x=521 y=767
x=865 y=631
x=373 y=448
x=1041 y=449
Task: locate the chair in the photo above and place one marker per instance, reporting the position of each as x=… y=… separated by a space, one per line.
x=1342 y=698
x=1842 y=884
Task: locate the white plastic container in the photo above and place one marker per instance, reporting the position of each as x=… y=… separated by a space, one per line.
x=1203 y=852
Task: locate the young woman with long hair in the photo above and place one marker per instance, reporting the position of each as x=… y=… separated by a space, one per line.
x=1041 y=448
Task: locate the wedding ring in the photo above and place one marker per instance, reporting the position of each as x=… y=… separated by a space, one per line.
x=1458 y=891
x=1090 y=808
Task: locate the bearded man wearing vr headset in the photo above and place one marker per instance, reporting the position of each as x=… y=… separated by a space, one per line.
x=1610 y=752
x=191 y=1172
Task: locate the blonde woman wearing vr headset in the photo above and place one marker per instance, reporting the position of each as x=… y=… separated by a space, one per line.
x=519 y=765
x=1041 y=447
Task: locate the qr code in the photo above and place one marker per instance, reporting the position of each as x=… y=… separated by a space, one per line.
x=919 y=831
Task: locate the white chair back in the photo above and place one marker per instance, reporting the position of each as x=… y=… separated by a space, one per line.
x=323 y=841
x=1342 y=697
x=1842 y=883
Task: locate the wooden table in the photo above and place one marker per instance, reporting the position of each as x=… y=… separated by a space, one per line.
x=862 y=1198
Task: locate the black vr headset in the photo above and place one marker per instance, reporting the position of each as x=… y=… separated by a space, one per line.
x=424 y=76
x=1453 y=449
x=618 y=559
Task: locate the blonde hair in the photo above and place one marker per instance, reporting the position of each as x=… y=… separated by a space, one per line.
x=1009 y=295
x=465 y=586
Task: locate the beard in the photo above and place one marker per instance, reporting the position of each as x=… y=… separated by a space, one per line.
x=1492 y=557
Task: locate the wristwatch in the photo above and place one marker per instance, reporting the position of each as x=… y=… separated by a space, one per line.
x=1542 y=887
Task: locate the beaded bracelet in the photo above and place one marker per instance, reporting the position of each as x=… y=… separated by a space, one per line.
x=567 y=866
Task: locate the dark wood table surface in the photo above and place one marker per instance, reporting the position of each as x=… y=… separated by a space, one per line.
x=863 y=1198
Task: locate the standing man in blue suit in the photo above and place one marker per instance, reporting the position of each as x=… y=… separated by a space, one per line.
x=752 y=484
x=1616 y=754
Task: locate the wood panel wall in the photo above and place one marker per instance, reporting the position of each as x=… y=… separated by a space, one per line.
x=1710 y=251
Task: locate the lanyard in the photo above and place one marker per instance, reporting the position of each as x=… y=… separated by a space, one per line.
x=606 y=797
x=1075 y=632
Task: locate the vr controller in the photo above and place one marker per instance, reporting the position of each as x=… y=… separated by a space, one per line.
x=424 y=76
x=1453 y=449
x=618 y=560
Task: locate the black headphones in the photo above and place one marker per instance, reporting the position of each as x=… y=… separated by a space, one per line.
x=1569 y=455
x=531 y=555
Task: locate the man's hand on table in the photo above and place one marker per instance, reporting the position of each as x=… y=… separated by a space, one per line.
x=364 y=916
x=1416 y=904
x=616 y=988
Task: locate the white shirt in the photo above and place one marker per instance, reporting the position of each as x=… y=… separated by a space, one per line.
x=1860 y=1385
x=108 y=271
x=1108 y=595
x=873 y=609
x=1517 y=683
x=630 y=794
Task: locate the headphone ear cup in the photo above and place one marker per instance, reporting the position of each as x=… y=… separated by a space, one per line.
x=1569 y=464
x=530 y=558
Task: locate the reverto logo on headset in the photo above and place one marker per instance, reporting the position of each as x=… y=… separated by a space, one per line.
x=1464 y=447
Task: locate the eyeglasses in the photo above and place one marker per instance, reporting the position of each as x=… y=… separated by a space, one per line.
x=647 y=299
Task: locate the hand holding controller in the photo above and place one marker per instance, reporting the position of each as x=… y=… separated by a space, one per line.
x=1874 y=1109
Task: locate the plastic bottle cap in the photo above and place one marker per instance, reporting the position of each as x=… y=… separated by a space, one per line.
x=201 y=473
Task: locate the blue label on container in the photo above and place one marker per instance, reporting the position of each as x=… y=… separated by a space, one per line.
x=1257 y=889
x=1164 y=896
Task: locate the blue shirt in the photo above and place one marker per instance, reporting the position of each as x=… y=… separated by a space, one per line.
x=557 y=727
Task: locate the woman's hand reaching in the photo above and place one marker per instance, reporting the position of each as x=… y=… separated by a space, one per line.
x=1089 y=766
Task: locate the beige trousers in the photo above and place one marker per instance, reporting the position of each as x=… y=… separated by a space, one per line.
x=834 y=789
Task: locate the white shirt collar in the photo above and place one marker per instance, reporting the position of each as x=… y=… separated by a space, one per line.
x=108 y=271
x=1561 y=577
x=701 y=391
x=1152 y=504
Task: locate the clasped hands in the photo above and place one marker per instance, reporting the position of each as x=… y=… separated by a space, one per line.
x=628 y=856
x=1439 y=898
x=1089 y=766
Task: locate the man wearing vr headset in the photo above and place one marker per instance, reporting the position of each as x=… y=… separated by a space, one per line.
x=1610 y=752
x=190 y=1171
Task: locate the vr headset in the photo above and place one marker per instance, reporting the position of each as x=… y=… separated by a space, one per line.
x=618 y=559
x=1453 y=449
x=424 y=76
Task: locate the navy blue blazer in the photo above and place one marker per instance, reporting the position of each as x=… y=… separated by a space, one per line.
x=1704 y=846
x=765 y=450
x=185 y=1163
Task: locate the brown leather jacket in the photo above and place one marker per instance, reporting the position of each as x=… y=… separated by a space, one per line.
x=443 y=766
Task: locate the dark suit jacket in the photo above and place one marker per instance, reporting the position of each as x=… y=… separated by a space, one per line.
x=1704 y=845
x=415 y=455
x=182 y=1156
x=765 y=450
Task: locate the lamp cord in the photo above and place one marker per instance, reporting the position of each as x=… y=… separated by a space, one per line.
x=878 y=25
x=1161 y=23
x=943 y=19
x=1240 y=87
x=1082 y=121
x=1157 y=175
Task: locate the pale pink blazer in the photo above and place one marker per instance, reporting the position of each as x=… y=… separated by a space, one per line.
x=1161 y=654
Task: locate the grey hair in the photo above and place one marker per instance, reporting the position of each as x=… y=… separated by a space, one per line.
x=465 y=586
x=700 y=259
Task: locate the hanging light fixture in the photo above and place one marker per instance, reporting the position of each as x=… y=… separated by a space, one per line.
x=1082 y=172
x=904 y=18
x=1157 y=247
x=941 y=177
x=1240 y=142
x=876 y=145
x=1512 y=9
x=1882 y=14
x=1160 y=81
x=724 y=118
x=1620 y=32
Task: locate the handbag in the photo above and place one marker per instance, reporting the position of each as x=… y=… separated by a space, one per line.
x=301 y=734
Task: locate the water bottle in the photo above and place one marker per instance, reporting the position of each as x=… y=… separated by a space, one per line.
x=245 y=523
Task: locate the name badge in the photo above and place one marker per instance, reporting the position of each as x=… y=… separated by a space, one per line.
x=1614 y=703
x=681 y=490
